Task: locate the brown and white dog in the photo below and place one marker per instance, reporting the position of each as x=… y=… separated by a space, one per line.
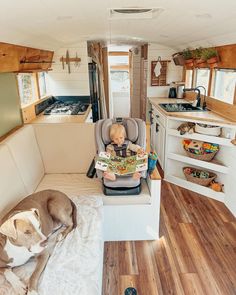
x=25 y=230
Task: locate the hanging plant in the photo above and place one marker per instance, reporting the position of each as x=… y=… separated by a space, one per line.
x=188 y=57
x=199 y=61
x=211 y=56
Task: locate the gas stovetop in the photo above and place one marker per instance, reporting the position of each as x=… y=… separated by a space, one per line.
x=66 y=108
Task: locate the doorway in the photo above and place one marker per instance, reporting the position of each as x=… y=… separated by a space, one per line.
x=119 y=84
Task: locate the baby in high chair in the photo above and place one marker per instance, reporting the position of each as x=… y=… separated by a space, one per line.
x=122 y=148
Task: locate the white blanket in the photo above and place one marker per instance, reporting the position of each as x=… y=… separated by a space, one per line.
x=75 y=266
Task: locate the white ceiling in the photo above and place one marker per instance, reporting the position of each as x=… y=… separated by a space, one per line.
x=54 y=23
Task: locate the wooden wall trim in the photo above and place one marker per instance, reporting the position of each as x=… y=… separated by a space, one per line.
x=221 y=108
x=118 y=53
x=11 y=56
x=2 y=138
x=106 y=77
x=120 y=67
x=227 y=55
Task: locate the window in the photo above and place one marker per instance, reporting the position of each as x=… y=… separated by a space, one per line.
x=31 y=87
x=27 y=88
x=202 y=79
x=189 y=78
x=42 y=84
x=224 y=85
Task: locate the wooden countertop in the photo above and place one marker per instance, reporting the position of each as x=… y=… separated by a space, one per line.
x=62 y=118
x=207 y=116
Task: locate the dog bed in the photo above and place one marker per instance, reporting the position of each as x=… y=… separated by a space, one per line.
x=75 y=266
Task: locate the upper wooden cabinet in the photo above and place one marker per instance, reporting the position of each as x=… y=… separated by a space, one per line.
x=15 y=58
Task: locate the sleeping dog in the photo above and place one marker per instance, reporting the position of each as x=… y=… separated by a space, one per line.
x=25 y=231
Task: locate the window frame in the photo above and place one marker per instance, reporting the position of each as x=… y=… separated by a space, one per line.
x=38 y=97
x=211 y=84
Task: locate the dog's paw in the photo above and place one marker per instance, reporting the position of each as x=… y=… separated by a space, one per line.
x=32 y=292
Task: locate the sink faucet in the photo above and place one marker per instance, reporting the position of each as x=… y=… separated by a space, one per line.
x=197 y=101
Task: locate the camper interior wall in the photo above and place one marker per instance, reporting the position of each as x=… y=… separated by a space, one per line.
x=60 y=82
x=174 y=73
x=10 y=116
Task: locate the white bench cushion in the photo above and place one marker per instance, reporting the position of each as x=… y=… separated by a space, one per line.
x=26 y=154
x=12 y=188
x=80 y=184
x=75 y=266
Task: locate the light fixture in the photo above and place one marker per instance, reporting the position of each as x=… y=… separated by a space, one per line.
x=134 y=13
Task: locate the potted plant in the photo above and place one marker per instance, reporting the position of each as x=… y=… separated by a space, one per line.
x=199 y=60
x=188 y=57
x=178 y=58
x=211 y=56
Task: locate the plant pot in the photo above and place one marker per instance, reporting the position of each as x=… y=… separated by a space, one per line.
x=200 y=63
x=189 y=63
x=213 y=61
x=178 y=59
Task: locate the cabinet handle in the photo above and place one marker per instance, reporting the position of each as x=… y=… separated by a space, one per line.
x=157 y=127
x=157 y=116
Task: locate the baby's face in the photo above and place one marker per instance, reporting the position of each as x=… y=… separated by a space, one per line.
x=118 y=138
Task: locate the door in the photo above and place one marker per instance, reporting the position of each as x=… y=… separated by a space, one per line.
x=159 y=142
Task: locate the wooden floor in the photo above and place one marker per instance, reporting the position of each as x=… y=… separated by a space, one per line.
x=196 y=252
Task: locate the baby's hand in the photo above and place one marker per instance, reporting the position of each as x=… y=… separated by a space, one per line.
x=109 y=175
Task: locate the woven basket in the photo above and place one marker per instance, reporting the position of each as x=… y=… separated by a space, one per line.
x=200 y=181
x=205 y=157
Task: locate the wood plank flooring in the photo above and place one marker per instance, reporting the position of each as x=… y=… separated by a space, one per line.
x=196 y=252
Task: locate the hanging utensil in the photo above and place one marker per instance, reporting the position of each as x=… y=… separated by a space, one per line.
x=68 y=60
x=63 y=64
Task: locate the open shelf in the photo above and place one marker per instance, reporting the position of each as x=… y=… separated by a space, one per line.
x=202 y=190
x=202 y=137
x=199 y=163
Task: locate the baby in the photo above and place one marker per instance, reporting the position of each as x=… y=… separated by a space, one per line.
x=122 y=148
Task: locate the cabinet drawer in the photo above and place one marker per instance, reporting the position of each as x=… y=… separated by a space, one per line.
x=161 y=119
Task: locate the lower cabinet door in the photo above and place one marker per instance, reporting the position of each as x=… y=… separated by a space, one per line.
x=159 y=143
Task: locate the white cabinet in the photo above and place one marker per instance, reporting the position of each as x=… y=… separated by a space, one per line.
x=89 y=117
x=167 y=142
x=158 y=136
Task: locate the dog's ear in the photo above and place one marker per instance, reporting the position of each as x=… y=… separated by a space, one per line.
x=8 y=228
x=36 y=212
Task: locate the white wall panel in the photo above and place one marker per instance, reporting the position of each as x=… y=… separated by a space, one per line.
x=174 y=73
x=60 y=82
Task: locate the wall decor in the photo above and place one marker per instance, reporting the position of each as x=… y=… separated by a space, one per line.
x=159 y=80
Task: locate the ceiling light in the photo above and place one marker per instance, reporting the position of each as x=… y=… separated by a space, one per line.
x=134 y=13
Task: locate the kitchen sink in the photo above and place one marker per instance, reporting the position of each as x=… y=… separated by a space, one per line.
x=180 y=107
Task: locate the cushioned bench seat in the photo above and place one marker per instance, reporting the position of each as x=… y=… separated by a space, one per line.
x=80 y=184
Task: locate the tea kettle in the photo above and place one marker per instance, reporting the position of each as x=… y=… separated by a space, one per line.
x=172 y=92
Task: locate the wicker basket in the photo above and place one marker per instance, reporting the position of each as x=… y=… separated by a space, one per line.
x=204 y=157
x=197 y=180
